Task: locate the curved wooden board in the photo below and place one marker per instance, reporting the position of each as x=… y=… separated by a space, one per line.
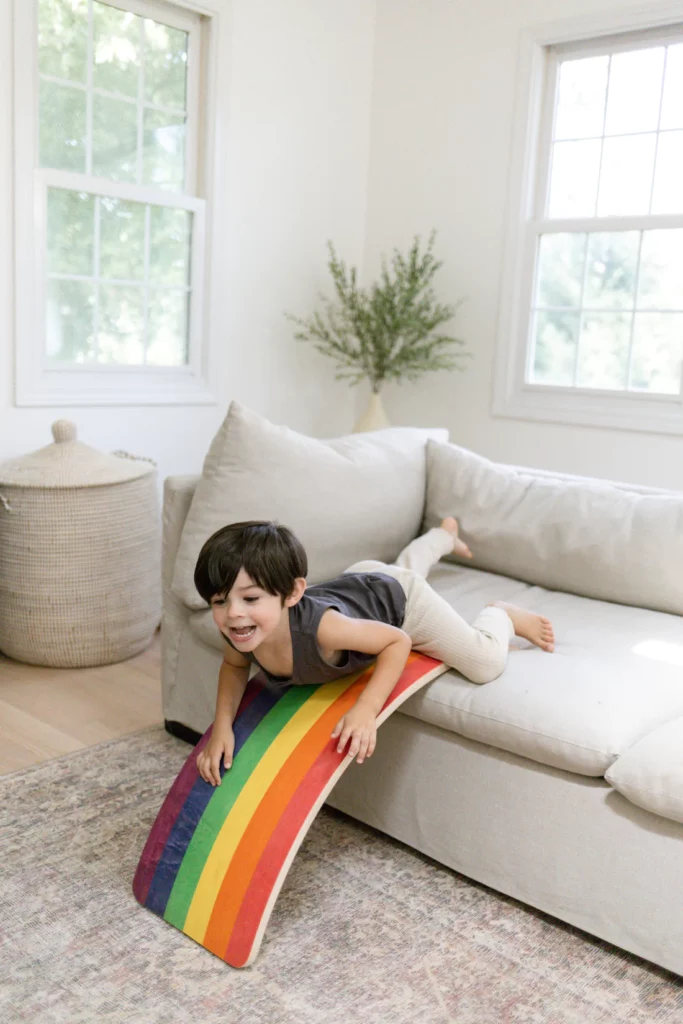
x=217 y=856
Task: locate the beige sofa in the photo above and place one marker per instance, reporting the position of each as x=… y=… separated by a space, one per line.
x=561 y=782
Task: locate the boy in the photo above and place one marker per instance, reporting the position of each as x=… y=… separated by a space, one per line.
x=253 y=575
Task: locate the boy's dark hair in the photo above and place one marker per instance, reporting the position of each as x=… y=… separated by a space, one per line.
x=268 y=552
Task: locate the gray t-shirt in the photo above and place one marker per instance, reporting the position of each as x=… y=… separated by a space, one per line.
x=360 y=595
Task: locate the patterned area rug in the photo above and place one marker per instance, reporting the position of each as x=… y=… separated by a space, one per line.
x=365 y=928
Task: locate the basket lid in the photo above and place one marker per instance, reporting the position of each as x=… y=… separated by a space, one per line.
x=70 y=463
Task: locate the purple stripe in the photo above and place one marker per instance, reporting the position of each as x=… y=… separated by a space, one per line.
x=178 y=836
x=173 y=804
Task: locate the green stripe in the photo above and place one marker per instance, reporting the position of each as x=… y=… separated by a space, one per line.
x=224 y=796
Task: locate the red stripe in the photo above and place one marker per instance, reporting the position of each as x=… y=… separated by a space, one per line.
x=273 y=857
x=284 y=836
x=266 y=816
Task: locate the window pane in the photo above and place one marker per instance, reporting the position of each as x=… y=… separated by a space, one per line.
x=164 y=150
x=581 y=98
x=63 y=39
x=626 y=176
x=560 y=269
x=574 y=178
x=62 y=127
x=555 y=347
x=122 y=239
x=169 y=249
x=167 y=345
x=115 y=134
x=611 y=274
x=69 y=320
x=116 y=45
x=121 y=332
x=672 y=102
x=660 y=281
x=70 y=232
x=667 y=196
x=603 y=350
x=657 y=353
x=165 y=65
x=635 y=83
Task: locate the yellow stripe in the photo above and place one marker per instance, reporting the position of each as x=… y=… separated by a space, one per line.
x=254 y=790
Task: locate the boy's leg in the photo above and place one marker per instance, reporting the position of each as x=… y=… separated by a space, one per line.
x=419 y=556
x=425 y=551
x=478 y=651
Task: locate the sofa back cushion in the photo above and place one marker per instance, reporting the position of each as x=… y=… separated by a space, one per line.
x=346 y=499
x=614 y=542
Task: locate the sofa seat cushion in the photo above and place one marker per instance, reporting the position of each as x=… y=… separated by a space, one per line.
x=650 y=774
x=346 y=499
x=611 y=680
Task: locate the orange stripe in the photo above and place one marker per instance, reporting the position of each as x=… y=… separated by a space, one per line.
x=266 y=817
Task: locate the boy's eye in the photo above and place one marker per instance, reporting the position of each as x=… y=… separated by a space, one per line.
x=250 y=600
x=218 y=601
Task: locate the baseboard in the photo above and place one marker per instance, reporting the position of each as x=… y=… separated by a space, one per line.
x=183 y=732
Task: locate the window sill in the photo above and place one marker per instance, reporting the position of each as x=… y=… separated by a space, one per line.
x=659 y=414
x=113 y=387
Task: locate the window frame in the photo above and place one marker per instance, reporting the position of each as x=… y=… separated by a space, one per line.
x=513 y=396
x=39 y=381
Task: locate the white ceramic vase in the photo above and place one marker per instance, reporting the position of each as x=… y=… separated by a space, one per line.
x=374 y=417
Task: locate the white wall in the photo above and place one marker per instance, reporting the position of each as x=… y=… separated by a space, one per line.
x=295 y=92
x=311 y=149
x=442 y=119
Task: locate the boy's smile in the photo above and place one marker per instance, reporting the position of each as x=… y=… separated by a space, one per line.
x=249 y=616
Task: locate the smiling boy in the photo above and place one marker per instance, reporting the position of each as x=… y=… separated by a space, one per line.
x=253 y=575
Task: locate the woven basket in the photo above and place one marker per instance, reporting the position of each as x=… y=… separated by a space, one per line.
x=80 y=555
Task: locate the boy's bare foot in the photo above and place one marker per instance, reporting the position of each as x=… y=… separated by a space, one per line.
x=535 y=628
x=459 y=547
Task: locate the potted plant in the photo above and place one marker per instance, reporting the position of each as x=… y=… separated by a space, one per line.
x=389 y=331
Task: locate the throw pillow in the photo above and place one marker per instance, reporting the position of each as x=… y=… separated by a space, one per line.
x=346 y=499
x=588 y=537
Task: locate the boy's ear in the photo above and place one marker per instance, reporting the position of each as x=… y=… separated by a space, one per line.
x=297 y=592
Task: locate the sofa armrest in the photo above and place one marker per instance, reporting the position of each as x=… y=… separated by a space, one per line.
x=178 y=494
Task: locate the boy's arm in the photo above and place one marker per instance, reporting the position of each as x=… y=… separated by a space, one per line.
x=391 y=645
x=232 y=682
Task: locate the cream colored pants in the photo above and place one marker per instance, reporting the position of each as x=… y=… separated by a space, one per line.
x=478 y=651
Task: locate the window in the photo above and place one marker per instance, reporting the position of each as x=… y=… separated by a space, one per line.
x=598 y=282
x=110 y=222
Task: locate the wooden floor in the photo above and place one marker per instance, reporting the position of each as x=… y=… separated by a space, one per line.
x=46 y=712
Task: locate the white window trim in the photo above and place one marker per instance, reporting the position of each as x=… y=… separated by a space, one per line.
x=513 y=398
x=37 y=382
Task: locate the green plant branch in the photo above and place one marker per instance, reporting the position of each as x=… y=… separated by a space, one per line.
x=385 y=332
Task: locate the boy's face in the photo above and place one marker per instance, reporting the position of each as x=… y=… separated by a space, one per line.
x=248 y=615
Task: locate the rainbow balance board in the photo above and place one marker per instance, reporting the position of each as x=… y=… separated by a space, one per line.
x=217 y=856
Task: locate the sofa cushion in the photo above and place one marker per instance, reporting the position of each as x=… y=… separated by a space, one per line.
x=350 y=498
x=614 y=677
x=650 y=774
x=588 y=537
x=610 y=681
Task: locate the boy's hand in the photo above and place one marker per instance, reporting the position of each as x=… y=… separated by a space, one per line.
x=221 y=744
x=358 y=724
